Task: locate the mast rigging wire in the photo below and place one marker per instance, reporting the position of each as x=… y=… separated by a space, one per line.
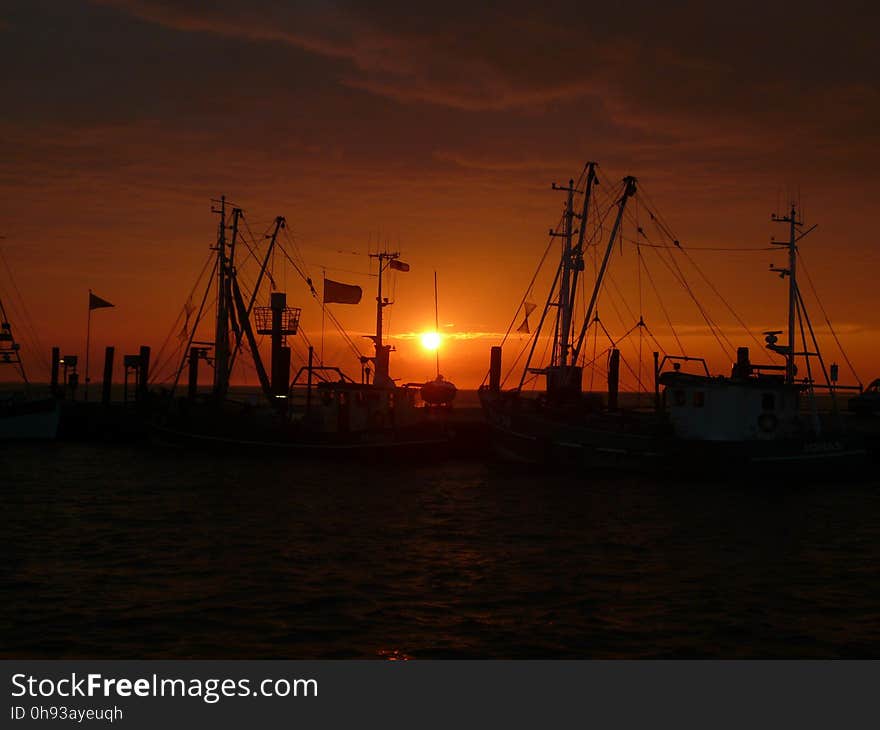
x=828 y=320
x=195 y=326
x=30 y=331
x=160 y=362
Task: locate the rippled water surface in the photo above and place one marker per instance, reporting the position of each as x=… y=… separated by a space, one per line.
x=152 y=552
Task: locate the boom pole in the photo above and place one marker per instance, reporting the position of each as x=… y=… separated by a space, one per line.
x=629 y=189
x=578 y=253
x=279 y=224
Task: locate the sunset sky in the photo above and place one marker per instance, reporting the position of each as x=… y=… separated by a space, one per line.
x=437 y=130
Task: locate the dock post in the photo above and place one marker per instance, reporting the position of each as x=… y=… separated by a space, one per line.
x=71 y=376
x=193 y=382
x=143 y=372
x=613 y=378
x=309 y=386
x=657 y=407
x=108 y=375
x=53 y=384
x=495 y=369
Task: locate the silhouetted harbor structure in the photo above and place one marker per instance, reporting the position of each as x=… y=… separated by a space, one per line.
x=320 y=409
x=762 y=418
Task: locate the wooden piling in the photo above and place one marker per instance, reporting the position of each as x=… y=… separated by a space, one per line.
x=108 y=375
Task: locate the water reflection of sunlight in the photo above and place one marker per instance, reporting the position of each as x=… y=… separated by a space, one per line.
x=393 y=655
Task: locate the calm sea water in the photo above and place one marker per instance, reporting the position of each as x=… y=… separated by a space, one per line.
x=151 y=552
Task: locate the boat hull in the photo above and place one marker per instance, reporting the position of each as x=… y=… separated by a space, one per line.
x=29 y=420
x=210 y=427
x=642 y=442
x=438 y=392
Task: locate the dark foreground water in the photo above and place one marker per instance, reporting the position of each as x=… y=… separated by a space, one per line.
x=149 y=552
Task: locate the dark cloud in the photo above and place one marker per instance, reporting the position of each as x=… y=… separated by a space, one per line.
x=441 y=125
x=688 y=60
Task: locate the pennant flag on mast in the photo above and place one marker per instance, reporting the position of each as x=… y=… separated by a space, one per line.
x=524 y=327
x=97 y=302
x=398 y=265
x=94 y=303
x=335 y=292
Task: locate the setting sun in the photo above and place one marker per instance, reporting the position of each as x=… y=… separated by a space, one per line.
x=431 y=340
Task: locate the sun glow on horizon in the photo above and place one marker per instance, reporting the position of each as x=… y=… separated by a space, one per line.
x=430 y=340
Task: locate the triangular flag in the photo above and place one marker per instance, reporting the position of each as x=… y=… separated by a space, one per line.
x=97 y=302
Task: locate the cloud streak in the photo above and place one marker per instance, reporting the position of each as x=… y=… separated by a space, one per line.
x=670 y=74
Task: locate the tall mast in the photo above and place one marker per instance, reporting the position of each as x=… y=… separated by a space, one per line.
x=577 y=256
x=221 y=336
x=380 y=305
x=382 y=351
x=629 y=189
x=790 y=350
x=436 y=323
x=560 y=348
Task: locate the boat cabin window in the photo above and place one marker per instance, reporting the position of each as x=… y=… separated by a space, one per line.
x=679 y=397
x=699 y=399
x=768 y=401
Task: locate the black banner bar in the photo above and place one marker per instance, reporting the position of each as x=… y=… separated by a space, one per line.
x=447 y=694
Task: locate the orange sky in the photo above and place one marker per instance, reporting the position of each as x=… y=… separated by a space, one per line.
x=438 y=133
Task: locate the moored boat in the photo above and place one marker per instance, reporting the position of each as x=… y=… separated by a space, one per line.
x=321 y=409
x=760 y=419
